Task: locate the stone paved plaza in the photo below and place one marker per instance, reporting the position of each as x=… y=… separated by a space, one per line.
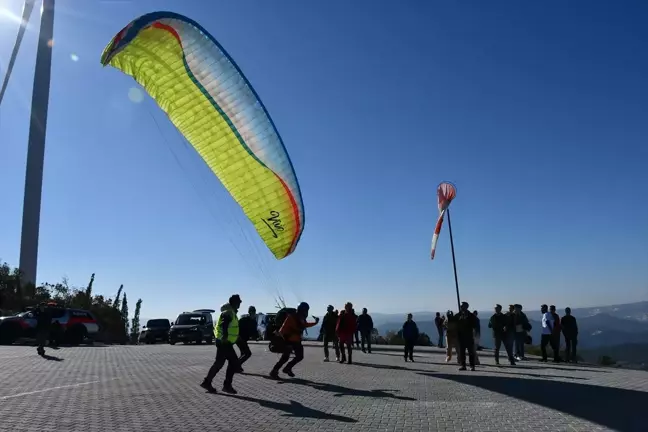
x=155 y=388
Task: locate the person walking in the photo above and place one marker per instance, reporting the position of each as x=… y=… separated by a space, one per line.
x=247 y=330
x=438 y=322
x=346 y=328
x=291 y=331
x=410 y=335
x=365 y=325
x=226 y=332
x=43 y=315
x=466 y=327
x=570 y=331
x=329 y=323
x=500 y=323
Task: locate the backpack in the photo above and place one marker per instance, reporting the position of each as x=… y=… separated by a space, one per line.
x=277 y=343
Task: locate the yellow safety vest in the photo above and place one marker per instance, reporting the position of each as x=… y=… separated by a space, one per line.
x=232 y=328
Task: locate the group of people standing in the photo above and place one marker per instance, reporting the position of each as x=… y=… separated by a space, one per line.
x=339 y=329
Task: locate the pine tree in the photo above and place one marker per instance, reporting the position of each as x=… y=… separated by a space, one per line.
x=135 y=325
x=124 y=311
x=88 y=291
x=119 y=291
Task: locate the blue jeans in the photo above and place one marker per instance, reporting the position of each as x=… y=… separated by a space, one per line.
x=520 y=338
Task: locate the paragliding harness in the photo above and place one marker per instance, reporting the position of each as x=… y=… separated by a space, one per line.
x=277 y=342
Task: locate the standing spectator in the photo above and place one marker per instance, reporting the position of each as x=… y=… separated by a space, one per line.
x=410 y=335
x=365 y=325
x=522 y=327
x=477 y=334
x=357 y=331
x=547 y=333
x=438 y=322
x=557 y=330
x=500 y=323
x=346 y=328
x=329 y=323
x=466 y=327
x=452 y=336
x=43 y=316
x=570 y=331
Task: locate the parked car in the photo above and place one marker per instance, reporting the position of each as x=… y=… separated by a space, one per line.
x=196 y=326
x=155 y=330
x=76 y=325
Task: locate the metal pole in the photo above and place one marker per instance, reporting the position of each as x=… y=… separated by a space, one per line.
x=36 y=146
x=454 y=262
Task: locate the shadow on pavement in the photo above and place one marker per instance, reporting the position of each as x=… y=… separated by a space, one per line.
x=613 y=408
x=295 y=409
x=390 y=367
x=338 y=389
x=52 y=358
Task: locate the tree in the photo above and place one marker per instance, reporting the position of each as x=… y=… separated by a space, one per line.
x=119 y=291
x=423 y=340
x=135 y=324
x=88 y=291
x=124 y=311
x=394 y=338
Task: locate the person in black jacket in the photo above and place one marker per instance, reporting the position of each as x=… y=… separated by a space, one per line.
x=570 y=331
x=411 y=335
x=247 y=330
x=500 y=325
x=43 y=316
x=365 y=326
x=465 y=328
x=329 y=323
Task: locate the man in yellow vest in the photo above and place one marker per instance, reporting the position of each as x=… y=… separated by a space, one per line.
x=227 y=333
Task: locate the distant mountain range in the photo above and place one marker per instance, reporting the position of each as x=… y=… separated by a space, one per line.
x=598 y=327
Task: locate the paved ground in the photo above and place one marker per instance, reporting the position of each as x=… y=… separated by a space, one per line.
x=155 y=389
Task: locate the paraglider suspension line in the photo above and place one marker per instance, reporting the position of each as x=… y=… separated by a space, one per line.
x=454 y=262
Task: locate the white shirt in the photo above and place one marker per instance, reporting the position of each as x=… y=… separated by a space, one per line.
x=547 y=319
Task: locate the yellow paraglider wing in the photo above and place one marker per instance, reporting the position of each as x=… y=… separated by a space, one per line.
x=209 y=100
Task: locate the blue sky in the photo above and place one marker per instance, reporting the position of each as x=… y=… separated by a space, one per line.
x=536 y=111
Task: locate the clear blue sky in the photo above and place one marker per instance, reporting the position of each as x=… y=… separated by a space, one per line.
x=538 y=111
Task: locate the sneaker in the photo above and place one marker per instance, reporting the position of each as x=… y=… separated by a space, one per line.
x=337 y=359
x=472 y=368
x=229 y=389
x=326 y=359
x=288 y=372
x=411 y=359
x=462 y=368
x=208 y=386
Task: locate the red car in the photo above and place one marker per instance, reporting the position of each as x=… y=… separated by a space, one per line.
x=76 y=325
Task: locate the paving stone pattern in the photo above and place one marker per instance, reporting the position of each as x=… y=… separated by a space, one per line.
x=155 y=389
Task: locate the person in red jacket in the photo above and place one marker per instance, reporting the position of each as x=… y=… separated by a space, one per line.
x=346 y=328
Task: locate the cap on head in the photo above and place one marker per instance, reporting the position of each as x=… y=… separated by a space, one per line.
x=552 y=308
x=498 y=307
x=235 y=299
x=251 y=310
x=465 y=306
x=544 y=307
x=330 y=308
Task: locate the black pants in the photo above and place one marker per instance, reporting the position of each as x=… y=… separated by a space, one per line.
x=246 y=353
x=349 y=351
x=290 y=347
x=552 y=341
x=336 y=346
x=357 y=339
x=42 y=336
x=570 y=349
x=467 y=342
x=365 y=338
x=409 y=349
x=508 y=346
x=224 y=353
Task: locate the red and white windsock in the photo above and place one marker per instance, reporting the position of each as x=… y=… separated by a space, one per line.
x=446 y=192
